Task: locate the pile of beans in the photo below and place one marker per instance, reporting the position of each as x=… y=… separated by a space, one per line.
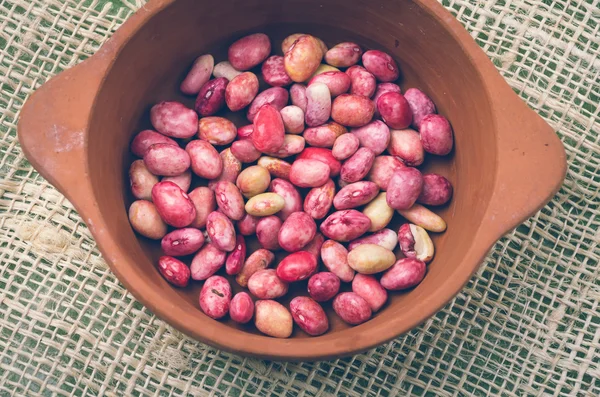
x=320 y=179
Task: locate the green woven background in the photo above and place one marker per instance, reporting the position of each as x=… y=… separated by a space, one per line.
x=528 y=322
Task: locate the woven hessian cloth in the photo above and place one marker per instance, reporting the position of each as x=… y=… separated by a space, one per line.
x=527 y=323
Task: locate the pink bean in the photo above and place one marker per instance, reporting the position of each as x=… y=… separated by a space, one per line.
x=174 y=119
x=245 y=151
x=174 y=271
x=318 y=104
x=241 y=308
x=324 y=135
x=273 y=72
x=394 y=110
x=166 y=159
x=267 y=232
x=381 y=64
x=318 y=201
x=406 y=145
x=381 y=89
x=236 y=258
x=207 y=262
x=245 y=132
x=375 y=136
x=303 y=58
x=292 y=145
x=335 y=259
x=141 y=180
x=249 y=51
x=345 y=225
x=368 y=288
x=337 y=82
x=269 y=132
x=343 y=55
x=314 y=247
x=404 y=274
x=404 y=188
x=420 y=105
x=362 y=81
x=382 y=170
x=264 y=284
x=230 y=200
x=309 y=173
x=215 y=297
x=258 y=260
x=205 y=160
x=437 y=190
x=145 y=219
x=436 y=135
x=275 y=96
x=297 y=266
x=247 y=225
x=293 y=200
x=182 y=242
x=277 y=168
x=173 y=205
x=323 y=155
x=358 y=166
x=147 y=138
x=293 y=119
x=198 y=75
x=352 y=110
x=211 y=97
x=355 y=194
x=182 y=180
x=385 y=238
x=231 y=168
x=297 y=231
x=323 y=286
x=352 y=308
x=220 y=231
x=217 y=130
x=204 y=203
x=240 y=91
x=309 y=315
x=345 y=146
x=298 y=96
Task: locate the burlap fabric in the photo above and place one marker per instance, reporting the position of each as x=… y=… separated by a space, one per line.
x=527 y=324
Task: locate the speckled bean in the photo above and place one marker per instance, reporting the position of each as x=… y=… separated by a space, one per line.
x=146 y=138
x=240 y=91
x=352 y=110
x=345 y=225
x=205 y=160
x=335 y=258
x=382 y=170
x=141 y=180
x=207 y=261
x=224 y=69
x=309 y=173
x=420 y=105
x=406 y=273
x=324 y=135
x=386 y=238
x=146 y=220
x=309 y=315
x=406 y=145
x=297 y=231
x=381 y=89
x=355 y=194
x=217 y=130
x=229 y=200
x=221 y=231
x=324 y=155
x=244 y=151
x=337 y=82
x=369 y=288
x=204 y=203
x=273 y=319
x=174 y=119
x=258 y=260
x=269 y=132
x=318 y=200
x=318 y=104
x=211 y=97
x=394 y=110
x=404 y=188
x=293 y=119
x=314 y=247
x=370 y=258
x=182 y=242
x=345 y=146
x=267 y=232
x=291 y=196
x=381 y=64
x=362 y=82
x=241 y=308
x=198 y=75
x=275 y=96
x=323 y=286
x=379 y=212
x=352 y=308
x=423 y=217
x=173 y=204
x=437 y=190
x=215 y=297
x=343 y=55
x=277 y=168
x=253 y=180
x=245 y=131
x=174 y=271
x=303 y=58
x=374 y=136
x=273 y=72
x=236 y=258
x=264 y=284
x=298 y=96
x=166 y=159
x=297 y=266
x=358 y=166
x=231 y=168
x=247 y=225
x=292 y=145
x=265 y=204
x=182 y=180
x=436 y=134
x=249 y=51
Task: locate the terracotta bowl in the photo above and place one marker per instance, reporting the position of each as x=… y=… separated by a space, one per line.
x=508 y=162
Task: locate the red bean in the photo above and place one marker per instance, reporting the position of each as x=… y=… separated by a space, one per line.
x=436 y=134
x=323 y=286
x=314 y=247
x=309 y=173
x=374 y=136
x=147 y=138
x=352 y=110
x=298 y=96
x=166 y=159
x=141 y=180
x=309 y=315
x=277 y=168
x=236 y=258
x=241 y=308
x=247 y=225
x=174 y=119
x=240 y=91
x=182 y=180
x=362 y=81
x=273 y=72
x=297 y=231
x=358 y=166
x=345 y=146
x=275 y=96
x=229 y=200
x=324 y=135
x=174 y=271
x=337 y=82
x=382 y=65
x=245 y=151
x=204 y=203
x=231 y=168
x=404 y=188
x=173 y=204
x=394 y=110
x=258 y=260
x=297 y=266
x=345 y=225
x=264 y=284
x=343 y=55
x=406 y=145
x=382 y=88
x=318 y=104
x=318 y=201
x=215 y=297
x=352 y=308
x=293 y=200
x=323 y=155
x=405 y=273
x=269 y=132
x=182 y=242
x=249 y=51
x=217 y=130
x=205 y=160
x=368 y=288
x=211 y=97
x=198 y=75
x=355 y=194
x=267 y=232
x=220 y=231
x=437 y=190
x=207 y=262
x=146 y=220
x=420 y=105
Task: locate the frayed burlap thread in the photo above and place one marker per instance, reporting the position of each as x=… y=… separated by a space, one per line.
x=527 y=323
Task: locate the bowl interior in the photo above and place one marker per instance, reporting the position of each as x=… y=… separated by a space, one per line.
x=155 y=60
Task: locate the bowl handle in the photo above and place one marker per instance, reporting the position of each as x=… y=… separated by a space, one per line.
x=531 y=162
